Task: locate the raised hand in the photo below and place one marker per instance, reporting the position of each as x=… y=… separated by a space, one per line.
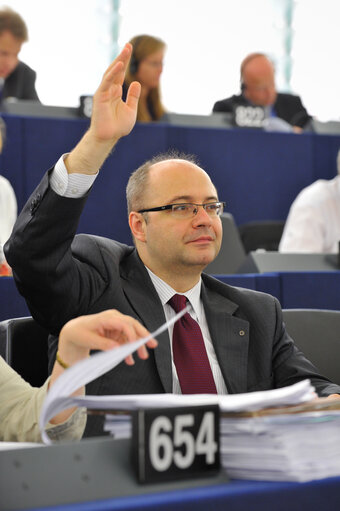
x=113 y=118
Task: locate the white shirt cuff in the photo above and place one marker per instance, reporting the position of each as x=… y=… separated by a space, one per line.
x=70 y=185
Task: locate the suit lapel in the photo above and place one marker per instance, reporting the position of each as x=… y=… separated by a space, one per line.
x=230 y=337
x=141 y=294
x=229 y=334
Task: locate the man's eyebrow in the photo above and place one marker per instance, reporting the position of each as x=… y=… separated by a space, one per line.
x=188 y=198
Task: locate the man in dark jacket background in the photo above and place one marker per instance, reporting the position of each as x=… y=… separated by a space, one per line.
x=258 y=89
x=17 y=78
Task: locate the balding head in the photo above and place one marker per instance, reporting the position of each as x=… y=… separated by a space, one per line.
x=258 y=80
x=139 y=179
x=176 y=247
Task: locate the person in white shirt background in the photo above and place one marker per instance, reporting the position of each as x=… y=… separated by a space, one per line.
x=8 y=208
x=313 y=222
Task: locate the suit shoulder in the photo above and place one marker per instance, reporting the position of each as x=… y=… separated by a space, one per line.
x=117 y=250
x=228 y=104
x=288 y=98
x=25 y=68
x=22 y=71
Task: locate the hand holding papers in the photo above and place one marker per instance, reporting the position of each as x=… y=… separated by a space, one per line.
x=83 y=372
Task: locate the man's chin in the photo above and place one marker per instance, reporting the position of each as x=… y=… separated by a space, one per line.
x=201 y=260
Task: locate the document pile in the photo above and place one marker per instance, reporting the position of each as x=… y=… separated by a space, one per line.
x=272 y=435
x=279 y=434
x=297 y=443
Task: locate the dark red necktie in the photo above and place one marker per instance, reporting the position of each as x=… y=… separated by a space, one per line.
x=190 y=356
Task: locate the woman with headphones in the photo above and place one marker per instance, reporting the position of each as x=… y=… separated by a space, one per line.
x=146 y=66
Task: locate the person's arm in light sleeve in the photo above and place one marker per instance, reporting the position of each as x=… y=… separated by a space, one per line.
x=20 y=404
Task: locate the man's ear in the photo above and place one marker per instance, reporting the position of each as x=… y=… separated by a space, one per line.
x=137 y=225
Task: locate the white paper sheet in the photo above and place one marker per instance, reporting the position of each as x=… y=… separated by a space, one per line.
x=87 y=370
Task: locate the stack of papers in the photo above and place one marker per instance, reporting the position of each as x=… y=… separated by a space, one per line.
x=279 y=434
x=118 y=423
x=281 y=443
x=300 y=443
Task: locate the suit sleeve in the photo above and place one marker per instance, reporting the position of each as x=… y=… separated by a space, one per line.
x=29 y=90
x=301 y=116
x=56 y=283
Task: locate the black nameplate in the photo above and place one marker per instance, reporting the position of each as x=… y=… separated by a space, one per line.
x=85 y=107
x=173 y=443
x=249 y=116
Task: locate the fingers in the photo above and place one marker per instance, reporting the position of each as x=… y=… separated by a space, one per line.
x=133 y=94
x=115 y=73
x=129 y=360
x=114 y=322
x=113 y=328
x=103 y=331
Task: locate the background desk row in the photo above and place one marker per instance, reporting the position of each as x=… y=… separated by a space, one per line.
x=311 y=290
x=257 y=173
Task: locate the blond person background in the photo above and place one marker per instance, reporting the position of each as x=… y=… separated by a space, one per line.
x=20 y=403
x=146 y=66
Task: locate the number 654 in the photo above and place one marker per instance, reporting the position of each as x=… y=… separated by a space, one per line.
x=176 y=444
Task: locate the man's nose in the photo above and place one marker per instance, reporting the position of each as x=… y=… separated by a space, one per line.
x=201 y=217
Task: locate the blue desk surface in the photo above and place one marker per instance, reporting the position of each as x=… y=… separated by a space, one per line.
x=235 y=496
x=257 y=173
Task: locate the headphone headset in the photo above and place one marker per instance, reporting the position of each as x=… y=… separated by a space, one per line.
x=134 y=62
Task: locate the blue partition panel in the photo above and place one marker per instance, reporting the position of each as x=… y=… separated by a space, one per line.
x=12 y=159
x=294 y=290
x=12 y=304
x=310 y=290
x=258 y=174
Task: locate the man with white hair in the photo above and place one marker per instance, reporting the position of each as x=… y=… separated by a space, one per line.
x=313 y=223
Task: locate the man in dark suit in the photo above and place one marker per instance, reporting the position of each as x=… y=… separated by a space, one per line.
x=258 y=89
x=18 y=79
x=174 y=218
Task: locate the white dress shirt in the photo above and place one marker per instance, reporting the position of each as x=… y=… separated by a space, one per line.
x=196 y=311
x=8 y=209
x=313 y=223
x=76 y=185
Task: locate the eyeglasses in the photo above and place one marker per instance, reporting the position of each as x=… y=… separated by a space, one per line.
x=189 y=209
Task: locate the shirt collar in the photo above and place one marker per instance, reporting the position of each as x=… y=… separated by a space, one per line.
x=165 y=292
